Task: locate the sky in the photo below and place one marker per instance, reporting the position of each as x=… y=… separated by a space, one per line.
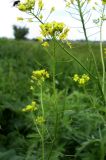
x=9 y=14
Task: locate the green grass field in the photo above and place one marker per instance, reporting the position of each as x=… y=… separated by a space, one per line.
x=81 y=133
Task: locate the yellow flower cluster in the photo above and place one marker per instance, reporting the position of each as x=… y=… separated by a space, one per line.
x=28 y=5
x=40 y=120
x=54 y=29
x=39 y=76
x=30 y=107
x=81 y=79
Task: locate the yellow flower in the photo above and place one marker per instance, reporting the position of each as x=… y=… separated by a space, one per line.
x=40 y=39
x=28 y=5
x=76 y=77
x=40 y=120
x=39 y=76
x=69 y=44
x=68 y=4
x=41 y=16
x=22 y=7
x=81 y=79
x=86 y=77
x=52 y=9
x=54 y=29
x=64 y=34
x=40 y=5
x=20 y=19
x=30 y=107
x=45 y=44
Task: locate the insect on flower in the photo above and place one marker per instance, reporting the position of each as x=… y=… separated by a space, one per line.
x=16 y=3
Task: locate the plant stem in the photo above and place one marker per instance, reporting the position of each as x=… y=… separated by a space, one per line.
x=55 y=99
x=41 y=101
x=42 y=140
x=82 y=19
x=101 y=53
x=54 y=89
x=42 y=129
x=36 y=17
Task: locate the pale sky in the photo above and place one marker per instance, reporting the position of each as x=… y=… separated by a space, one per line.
x=9 y=14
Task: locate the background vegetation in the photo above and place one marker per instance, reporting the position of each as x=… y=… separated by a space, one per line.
x=83 y=128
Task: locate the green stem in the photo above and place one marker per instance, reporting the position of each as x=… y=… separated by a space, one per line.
x=54 y=89
x=36 y=17
x=55 y=101
x=82 y=20
x=42 y=129
x=41 y=101
x=42 y=140
x=101 y=53
x=41 y=135
x=43 y=146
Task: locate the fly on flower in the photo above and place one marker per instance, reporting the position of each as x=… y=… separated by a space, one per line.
x=16 y=3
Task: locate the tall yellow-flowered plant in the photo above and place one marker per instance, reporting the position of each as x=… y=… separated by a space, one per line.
x=55 y=31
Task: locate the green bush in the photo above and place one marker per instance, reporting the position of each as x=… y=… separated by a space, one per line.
x=20 y=32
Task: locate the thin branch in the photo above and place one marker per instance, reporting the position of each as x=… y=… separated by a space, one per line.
x=94 y=34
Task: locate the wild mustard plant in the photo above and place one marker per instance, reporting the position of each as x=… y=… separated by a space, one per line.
x=55 y=31
x=37 y=80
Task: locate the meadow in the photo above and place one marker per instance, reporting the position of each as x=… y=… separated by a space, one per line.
x=75 y=129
